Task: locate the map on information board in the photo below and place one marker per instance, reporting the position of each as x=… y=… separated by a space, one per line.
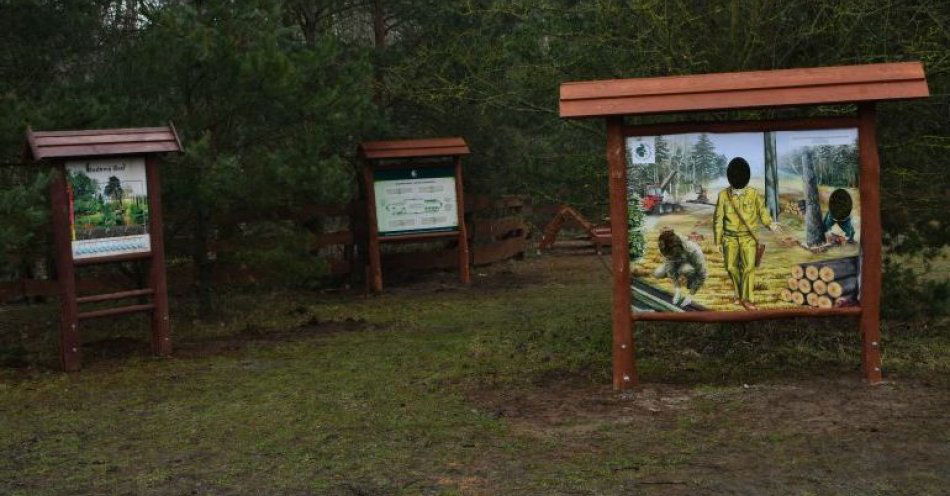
x=415 y=200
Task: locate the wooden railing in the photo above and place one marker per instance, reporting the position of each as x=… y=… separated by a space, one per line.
x=498 y=230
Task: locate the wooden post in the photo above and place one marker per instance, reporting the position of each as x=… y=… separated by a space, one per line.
x=374 y=279
x=70 y=347
x=161 y=327
x=870 y=297
x=624 y=366
x=465 y=274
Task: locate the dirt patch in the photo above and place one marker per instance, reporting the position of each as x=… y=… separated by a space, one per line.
x=822 y=435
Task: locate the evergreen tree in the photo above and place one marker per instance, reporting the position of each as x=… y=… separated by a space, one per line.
x=635 y=239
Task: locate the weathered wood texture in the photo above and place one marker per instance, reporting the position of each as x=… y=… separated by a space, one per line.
x=741 y=90
x=161 y=324
x=624 y=366
x=498 y=231
x=70 y=347
x=870 y=297
x=101 y=142
x=434 y=147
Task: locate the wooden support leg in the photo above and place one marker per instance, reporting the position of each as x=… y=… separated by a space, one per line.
x=70 y=347
x=624 y=365
x=161 y=327
x=465 y=274
x=374 y=279
x=870 y=245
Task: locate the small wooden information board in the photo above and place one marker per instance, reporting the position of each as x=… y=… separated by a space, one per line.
x=413 y=192
x=744 y=220
x=106 y=207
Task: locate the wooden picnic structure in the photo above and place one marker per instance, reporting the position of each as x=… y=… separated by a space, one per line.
x=54 y=149
x=860 y=85
x=598 y=236
x=412 y=154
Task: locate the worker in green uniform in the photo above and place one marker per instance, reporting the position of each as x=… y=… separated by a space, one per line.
x=740 y=210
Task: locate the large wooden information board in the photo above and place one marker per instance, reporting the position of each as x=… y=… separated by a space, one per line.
x=719 y=221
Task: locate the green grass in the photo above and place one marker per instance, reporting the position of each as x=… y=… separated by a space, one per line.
x=497 y=389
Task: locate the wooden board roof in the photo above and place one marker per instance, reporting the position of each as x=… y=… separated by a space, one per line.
x=433 y=147
x=740 y=90
x=102 y=142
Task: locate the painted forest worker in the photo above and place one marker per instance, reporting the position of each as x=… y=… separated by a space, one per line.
x=739 y=211
x=839 y=212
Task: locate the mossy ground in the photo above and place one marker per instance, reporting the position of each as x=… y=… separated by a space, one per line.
x=500 y=388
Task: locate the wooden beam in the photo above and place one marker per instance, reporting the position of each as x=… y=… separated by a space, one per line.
x=465 y=274
x=161 y=325
x=110 y=312
x=374 y=276
x=870 y=297
x=746 y=316
x=121 y=295
x=70 y=347
x=624 y=365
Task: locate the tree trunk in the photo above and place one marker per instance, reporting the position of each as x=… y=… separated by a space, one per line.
x=199 y=255
x=771 y=175
x=379 y=41
x=814 y=232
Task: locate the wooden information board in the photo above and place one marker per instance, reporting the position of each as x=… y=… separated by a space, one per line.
x=106 y=207
x=413 y=192
x=722 y=221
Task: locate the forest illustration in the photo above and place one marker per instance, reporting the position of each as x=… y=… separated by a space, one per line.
x=744 y=221
x=107 y=208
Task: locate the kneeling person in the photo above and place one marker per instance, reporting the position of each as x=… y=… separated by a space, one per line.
x=683 y=262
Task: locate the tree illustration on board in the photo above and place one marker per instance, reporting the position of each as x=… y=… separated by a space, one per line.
x=635 y=239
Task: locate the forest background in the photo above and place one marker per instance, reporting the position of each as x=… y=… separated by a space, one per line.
x=271 y=97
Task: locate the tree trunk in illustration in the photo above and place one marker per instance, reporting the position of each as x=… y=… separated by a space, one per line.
x=771 y=175
x=814 y=232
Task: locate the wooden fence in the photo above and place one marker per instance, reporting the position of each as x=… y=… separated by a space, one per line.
x=498 y=230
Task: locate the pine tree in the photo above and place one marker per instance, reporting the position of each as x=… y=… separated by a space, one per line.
x=636 y=241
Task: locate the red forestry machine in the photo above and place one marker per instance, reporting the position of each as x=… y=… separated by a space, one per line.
x=654 y=199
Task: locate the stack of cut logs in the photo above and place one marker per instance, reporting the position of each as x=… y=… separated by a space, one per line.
x=827 y=284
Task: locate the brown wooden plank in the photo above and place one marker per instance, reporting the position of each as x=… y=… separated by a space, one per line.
x=493 y=228
x=748 y=80
x=413 y=143
x=871 y=234
x=92 y=132
x=624 y=364
x=374 y=276
x=745 y=316
x=485 y=254
x=742 y=126
x=70 y=347
x=52 y=141
x=417 y=152
x=160 y=322
x=109 y=312
x=120 y=295
x=92 y=150
x=465 y=274
x=744 y=99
